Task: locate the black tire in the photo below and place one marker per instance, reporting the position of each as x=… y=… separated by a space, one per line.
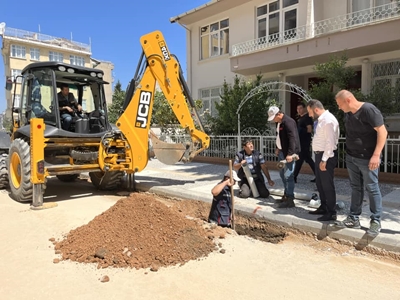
x=3 y=171
x=19 y=175
x=107 y=181
x=19 y=166
x=67 y=177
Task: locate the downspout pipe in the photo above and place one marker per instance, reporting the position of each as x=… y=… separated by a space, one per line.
x=188 y=63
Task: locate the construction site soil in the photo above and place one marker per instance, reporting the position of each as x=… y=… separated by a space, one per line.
x=148 y=231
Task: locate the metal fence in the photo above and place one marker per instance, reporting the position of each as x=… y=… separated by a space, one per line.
x=47 y=39
x=226 y=146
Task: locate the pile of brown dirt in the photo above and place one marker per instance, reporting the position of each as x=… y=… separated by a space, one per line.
x=141 y=232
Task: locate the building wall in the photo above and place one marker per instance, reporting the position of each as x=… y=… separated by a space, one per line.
x=63 y=46
x=212 y=72
x=108 y=68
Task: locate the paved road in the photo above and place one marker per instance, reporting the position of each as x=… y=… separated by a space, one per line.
x=195 y=181
x=249 y=269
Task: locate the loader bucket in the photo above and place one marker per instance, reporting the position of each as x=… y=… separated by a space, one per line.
x=167 y=153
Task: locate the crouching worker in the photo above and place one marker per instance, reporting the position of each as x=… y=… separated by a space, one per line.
x=256 y=163
x=221 y=206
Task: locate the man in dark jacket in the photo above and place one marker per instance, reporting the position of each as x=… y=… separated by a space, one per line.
x=287 y=144
x=256 y=162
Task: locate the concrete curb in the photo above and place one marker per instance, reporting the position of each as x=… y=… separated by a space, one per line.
x=389 y=243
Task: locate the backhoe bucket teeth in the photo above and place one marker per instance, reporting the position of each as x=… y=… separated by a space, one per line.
x=167 y=153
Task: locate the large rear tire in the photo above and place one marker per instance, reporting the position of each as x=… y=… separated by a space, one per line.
x=107 y=181
x=19 y=171
x=3 y=171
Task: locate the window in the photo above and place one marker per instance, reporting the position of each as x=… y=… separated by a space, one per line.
x=35 y=54
x=364 y=11
x=276 y=19
x=55 y=56
x=77 y=60
x=18 y=51
x=209 y=97
x=214 y=39
x=387 y=75
x=14 y=74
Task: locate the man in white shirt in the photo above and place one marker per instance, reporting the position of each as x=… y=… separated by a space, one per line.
x=324 y=145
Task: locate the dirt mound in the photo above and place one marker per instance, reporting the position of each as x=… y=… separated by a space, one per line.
x=139 y=232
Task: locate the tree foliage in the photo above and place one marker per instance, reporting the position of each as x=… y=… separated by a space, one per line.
x=117 y=102
x=335 y=76
x=253 y=113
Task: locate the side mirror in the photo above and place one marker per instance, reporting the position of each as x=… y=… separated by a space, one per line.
x=9 y=84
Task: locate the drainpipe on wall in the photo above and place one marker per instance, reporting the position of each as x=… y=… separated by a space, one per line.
x=188 y=63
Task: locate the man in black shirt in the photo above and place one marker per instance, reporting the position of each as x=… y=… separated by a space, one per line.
x=305 y=127
x=366 y=136
x=66 y=103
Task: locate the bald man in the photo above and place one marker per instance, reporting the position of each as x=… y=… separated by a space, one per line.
x=366 y=136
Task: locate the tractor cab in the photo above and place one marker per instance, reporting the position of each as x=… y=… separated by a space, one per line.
x=40 y=97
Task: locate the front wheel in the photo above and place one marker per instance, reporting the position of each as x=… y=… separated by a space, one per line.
x=19 y=171
x=19 y=167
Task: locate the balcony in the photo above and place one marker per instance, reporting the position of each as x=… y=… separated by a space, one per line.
x=35 y=37
x=321 y=28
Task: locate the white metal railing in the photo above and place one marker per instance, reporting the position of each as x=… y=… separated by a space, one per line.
x=343 y=22
x=226 y=146
x=47 y=39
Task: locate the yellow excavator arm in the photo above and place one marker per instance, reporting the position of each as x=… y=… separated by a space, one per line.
x=161 y=69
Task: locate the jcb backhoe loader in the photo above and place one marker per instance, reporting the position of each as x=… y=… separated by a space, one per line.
x=39 y=147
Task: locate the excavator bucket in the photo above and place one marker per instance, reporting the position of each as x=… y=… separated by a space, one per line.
x=167 y=153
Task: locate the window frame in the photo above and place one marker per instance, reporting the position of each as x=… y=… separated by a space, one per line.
x=15 y=50
x=56 y=54
x=35 y=51
x=77 y=60
x=276 y=36
x=214 y=49
x=211 y=99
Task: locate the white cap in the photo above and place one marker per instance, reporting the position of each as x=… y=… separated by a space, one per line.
x=272 y=111
x=234 y=175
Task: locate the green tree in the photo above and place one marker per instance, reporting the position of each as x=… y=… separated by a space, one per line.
x=253 y=113
x=335 y=76
x=163 y=114
x=117 y=102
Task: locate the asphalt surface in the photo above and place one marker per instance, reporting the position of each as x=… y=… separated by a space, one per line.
x=194 y=181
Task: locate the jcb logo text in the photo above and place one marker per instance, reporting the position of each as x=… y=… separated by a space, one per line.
x=164 y=50
x=143 y=109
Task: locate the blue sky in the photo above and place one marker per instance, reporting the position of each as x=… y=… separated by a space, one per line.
x=114 y=28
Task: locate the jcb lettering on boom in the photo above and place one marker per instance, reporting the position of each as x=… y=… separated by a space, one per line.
x=143 y=109
x=164 y=50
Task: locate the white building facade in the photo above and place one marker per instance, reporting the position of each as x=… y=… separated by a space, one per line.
x=283 y=39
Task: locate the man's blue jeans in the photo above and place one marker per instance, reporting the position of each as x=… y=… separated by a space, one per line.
x=66 y=121
x=361 y=176
x=287 y=176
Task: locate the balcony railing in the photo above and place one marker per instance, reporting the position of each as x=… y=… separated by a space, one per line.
x=47 y=39
x=344 y=22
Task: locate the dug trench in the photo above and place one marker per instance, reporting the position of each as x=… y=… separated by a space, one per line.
x=146 y=231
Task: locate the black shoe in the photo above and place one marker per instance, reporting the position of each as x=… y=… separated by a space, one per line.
x=328 y=217
x=283 y=199
x=288 y=203
x=318 y=211
x=312 y=180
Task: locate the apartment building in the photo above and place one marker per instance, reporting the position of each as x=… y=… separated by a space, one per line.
x=283 y=39
x=21 y=47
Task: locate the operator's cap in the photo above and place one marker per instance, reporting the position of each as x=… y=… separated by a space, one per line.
x=234 y=175
x=272 y=111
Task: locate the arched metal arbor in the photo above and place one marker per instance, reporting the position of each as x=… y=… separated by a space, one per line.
x=272 y=86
